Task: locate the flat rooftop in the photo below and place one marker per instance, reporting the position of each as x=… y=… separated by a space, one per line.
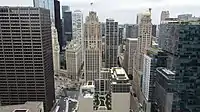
x=119 y=73
x=27 y=107
x=168 y=74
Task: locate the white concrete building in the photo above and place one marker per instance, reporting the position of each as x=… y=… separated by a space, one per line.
x=55 y=49
x=92 y=47
x=129 y=55
x=144 y=42
x=146 y=76
x=117 y=99
x=73 y=55
x=77 y=24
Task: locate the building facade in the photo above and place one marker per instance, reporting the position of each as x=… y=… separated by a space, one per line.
x=73 y=54
x=164 y=15
x=130 y=31
x=163 y=90
x=26 y=61
x=144 y=42
x=92 y=47
x=56 y=50
x=67 y=25
x=111 y=43
x=47 y=4
x=129 y=55
x=58 y=22
x=77 y=24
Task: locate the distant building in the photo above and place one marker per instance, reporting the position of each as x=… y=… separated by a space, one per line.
x=130 y=31
x=164 y=15
x=47 y=4
x=103 y=29
x=26 y=61
x=163 y=90
x=67 y=24
x=27 y=107
x=130 y=54
x=185 y=17
x=154 y=29
x=58 y=22
x=121 y=34
x=92 y=47
x=73 y=54
x=77 y=24
x=111 y=43
x=56 y=50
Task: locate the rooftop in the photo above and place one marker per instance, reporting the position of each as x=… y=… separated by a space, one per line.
x=27 y=107
x=166 y=73
x=132 y=39
x=119 y=73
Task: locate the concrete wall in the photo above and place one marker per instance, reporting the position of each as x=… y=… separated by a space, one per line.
x=120 y=102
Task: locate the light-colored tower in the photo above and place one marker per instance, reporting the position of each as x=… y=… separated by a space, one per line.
x=73 y=55
x=164 y=15
x=55 y=49
x=111 y=43
x=92 y=47
x=77 y=24
x=144 y=42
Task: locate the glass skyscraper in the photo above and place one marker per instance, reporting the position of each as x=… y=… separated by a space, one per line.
x=47 y=4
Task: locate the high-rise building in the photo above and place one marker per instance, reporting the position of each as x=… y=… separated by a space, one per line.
x=58 y=21
x=163 y=90
x=182 y=46
x=129 y=55
x=47 y=4
x=185 y=17
x=154 y=29
x=77 y=24
x=92 y=47
x=130 y=31
x=67 y=24
x=73 y=54
x=144 y=42
x=56 y=50
x=121 y=34
x=111 y=43
x=103 y=29
x=26 y=62
x=164 y=15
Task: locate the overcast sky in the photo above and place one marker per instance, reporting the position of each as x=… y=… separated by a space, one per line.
x=125 y=11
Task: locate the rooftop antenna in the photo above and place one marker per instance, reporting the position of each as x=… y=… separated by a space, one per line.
x=91 y=4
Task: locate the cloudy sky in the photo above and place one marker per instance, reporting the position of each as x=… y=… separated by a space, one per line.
x=125 y=11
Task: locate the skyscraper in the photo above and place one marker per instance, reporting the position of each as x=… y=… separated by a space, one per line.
x=47 y=4
x=129 y=55
x=144 y=42
x=154 y=29
x=56 y=50
x=58 y=22
x=77 y=24
x=26 y=62
x=164 y=15
x=67 y=24
x=130 y=31
x=182 y=44
x=92 y=47
x=111 y=43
